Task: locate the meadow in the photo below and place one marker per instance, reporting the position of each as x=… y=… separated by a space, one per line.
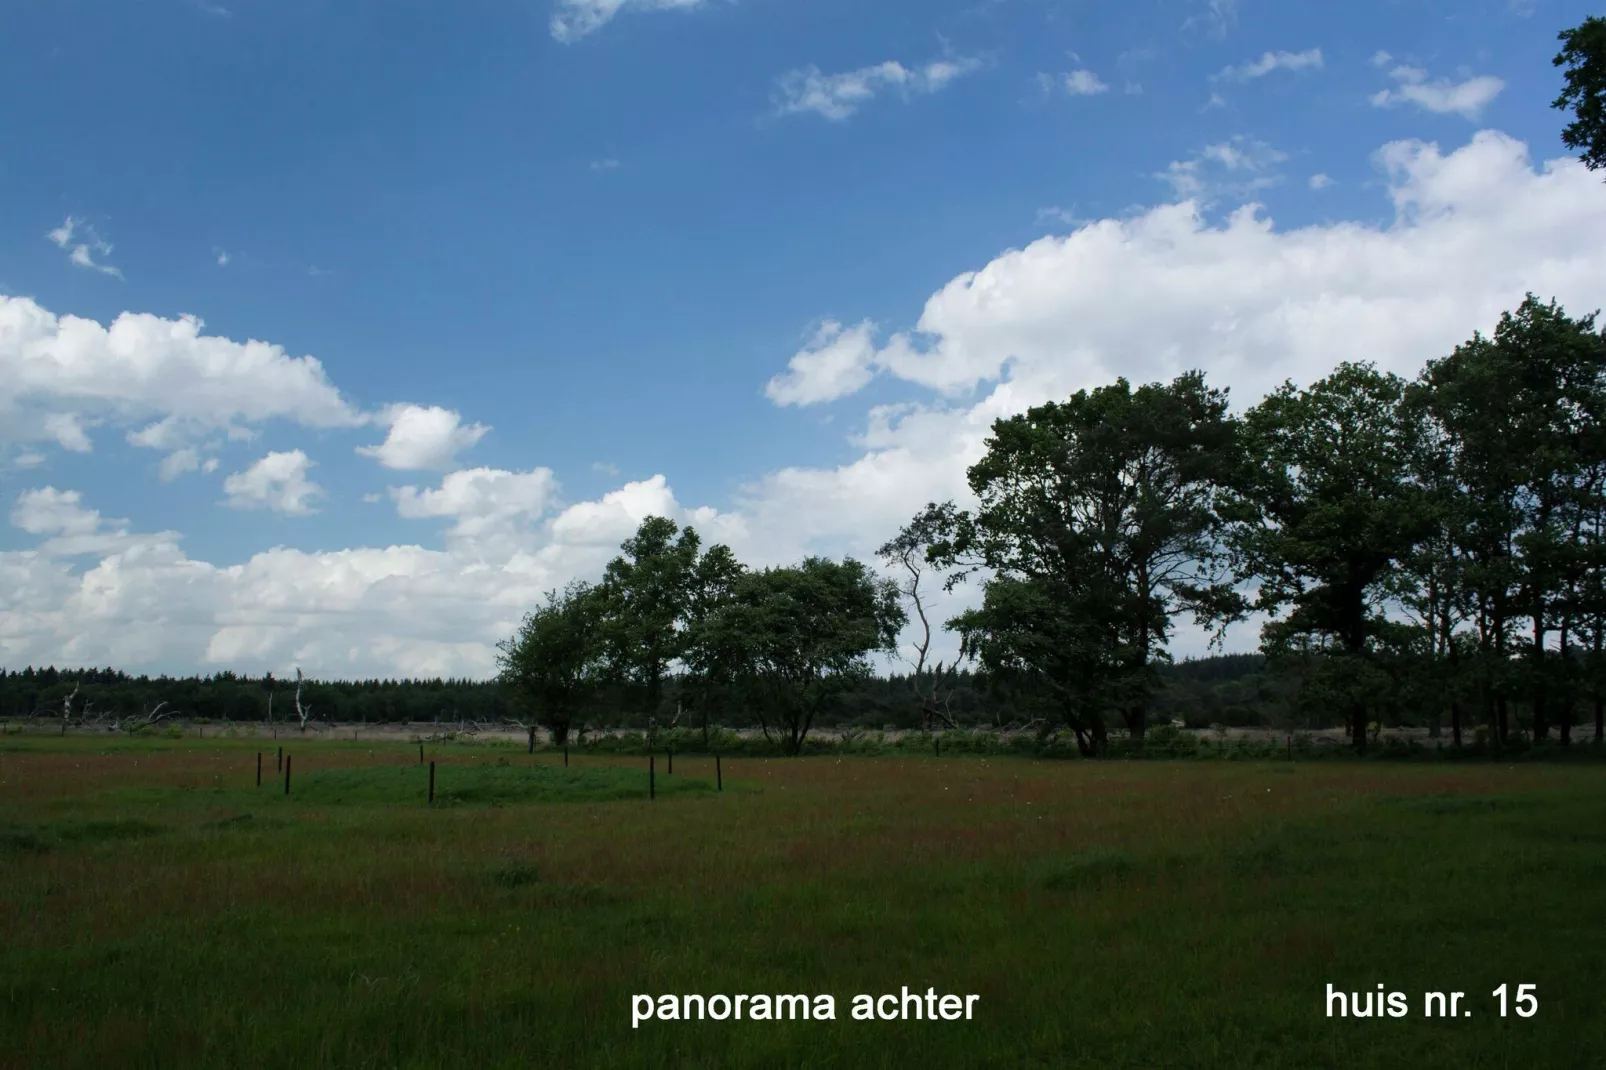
x=159 y=909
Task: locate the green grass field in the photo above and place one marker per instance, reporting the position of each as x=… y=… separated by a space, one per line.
x=157 y=909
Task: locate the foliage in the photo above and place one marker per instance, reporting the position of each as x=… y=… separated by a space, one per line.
x=1098 y=525
x=798 y=636
x=553 y=665
x=1583 y=53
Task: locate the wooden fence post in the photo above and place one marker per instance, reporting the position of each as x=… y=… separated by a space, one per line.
x=420 y=754
x=652 y=775
x=287 y=776
x=671 y=771
x=259 y=769
x=565 y=756
x=532 y=741
x=432 y=783
x=719 y=777
x=278 y=761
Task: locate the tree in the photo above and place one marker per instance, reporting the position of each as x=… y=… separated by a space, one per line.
x=1324 y=514
x=908 y=551
x=710 y=665
x=1110 y=499
x=1520 y=414
x=1047 y=639
x=648 y=592
x=799 y=635
x=554 y=664
x=1583 y=53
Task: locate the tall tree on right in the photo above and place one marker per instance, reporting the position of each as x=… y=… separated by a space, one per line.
x=1583 y=53
x=1324 y=516
x=1521 y=416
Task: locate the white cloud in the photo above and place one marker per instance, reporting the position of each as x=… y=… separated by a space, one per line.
x=616 y=516
x=1465 y=98
x=393 y=610
x=67 y=430
x=1165 y=290
x=58 y=374
x=1084 y=83
x=1237 y=168
x=49 y=511
x=1381 y=58
x=485 y=503
x=574 y=19
x=609 y=164
x=423 y=437
x=836 y=362
x=81 y=244
x=1311 y=59
x=180 y=461
x=177 y=463
x=223 y=258
x=1320 y=181
x=278 y=482
x=838 y=96
x=71 y=529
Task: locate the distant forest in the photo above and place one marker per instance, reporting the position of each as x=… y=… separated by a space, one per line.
x=1234 y=690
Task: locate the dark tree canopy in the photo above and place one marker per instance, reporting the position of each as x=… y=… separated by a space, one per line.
x=1583 y=53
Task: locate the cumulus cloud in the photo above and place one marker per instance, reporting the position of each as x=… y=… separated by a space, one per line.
x=1310 y=59
x=423 y=437
x=1465 y=98
x=484 y=504
x=67 y=430
x=70 y=529
x=49 y=511
x=278 y=482
x=82 y=244
x=574 y=19
x=838 y=361
x=838 y=96
x=393 y=610
x=1319 y=181
x=616 y=516
x=59 y=373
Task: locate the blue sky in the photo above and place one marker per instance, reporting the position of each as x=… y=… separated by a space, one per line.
x=713 y=258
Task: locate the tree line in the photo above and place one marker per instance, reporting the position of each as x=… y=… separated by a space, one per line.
x=1435 y=542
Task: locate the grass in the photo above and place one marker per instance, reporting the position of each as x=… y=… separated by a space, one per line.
x=157 y=909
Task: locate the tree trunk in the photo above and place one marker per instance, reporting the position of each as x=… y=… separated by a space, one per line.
x=1541 y=709
x=1565 y=713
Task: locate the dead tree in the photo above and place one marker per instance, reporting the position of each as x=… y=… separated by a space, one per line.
x=906 y=551
x=144 y=720
x=66 y=708
x=303 y=712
